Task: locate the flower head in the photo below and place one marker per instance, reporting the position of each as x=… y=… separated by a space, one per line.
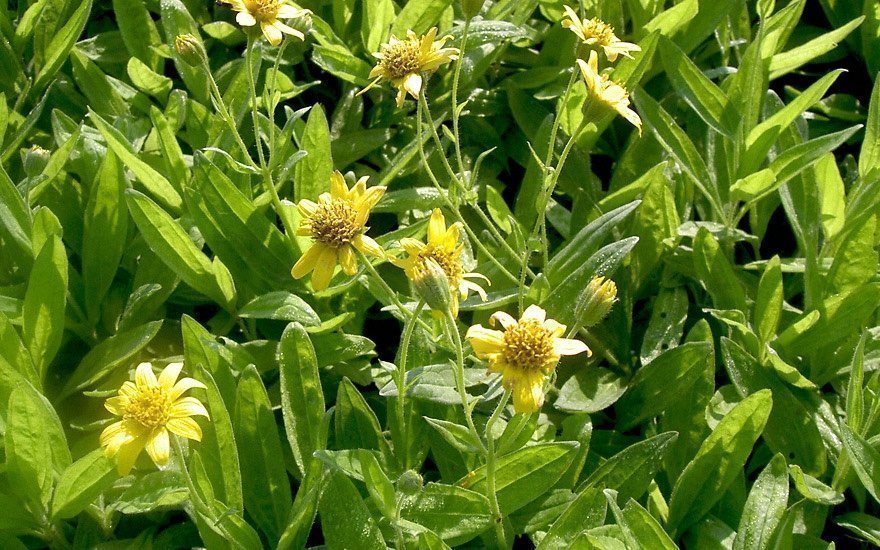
x=595 y=32
x=607 y=93
x=267 y=13
x=151 y=407
x=525 y=352
x=444 y=249
x=337 y=223
x=405 y=62
x=596 y=301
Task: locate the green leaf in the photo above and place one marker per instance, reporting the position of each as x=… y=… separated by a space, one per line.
x=855 y=391
x=35 y=446
x=219 y=451
x=154 y=182
x=356 y=425
x=764 y=507
x=282 y=306
x=788 y=61
x=173 y=246
x=586 y=511
x=864 y=458
x=104 y=234
x=768 y=302
x=378 y=485
x=61 y=44
x=455 y=514
x=302 y=399
x=863 y=525
x=869 y=156
x=138 y=31
x=15 y=217
x=264 y=479
x=630 y=471
x=312 y=174
x=662 y=382
x=645 y=529
x=81 y=483
x=590 y=390
x=719 y=460
x=418 y=16
x=345 y=520
x=305 y=507
x=105 y=358
x=177 y=20
x=716 y=272
x=44 y=303
x=812 y=489
x=524 y=475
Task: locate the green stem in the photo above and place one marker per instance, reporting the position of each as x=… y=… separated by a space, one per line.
x=455 y=80
x=491 y=493
x=371 y=269
x=401 y=382
x=227 y=117
x=451 y=206
x=452 y=329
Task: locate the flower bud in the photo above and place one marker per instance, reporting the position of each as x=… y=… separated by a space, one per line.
x=432 y=285
x=35 y=161
x=409 y=483
x=595 y=301
x=471 y=8
x=190 y=50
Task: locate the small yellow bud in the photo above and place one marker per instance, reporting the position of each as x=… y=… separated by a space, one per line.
x=595 y=301
x=190 y=50
x=35 y=161
x=432 y=285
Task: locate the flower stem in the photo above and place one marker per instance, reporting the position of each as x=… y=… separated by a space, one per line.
x=455 y=80
x=452 y=329
x=401 y=383
x=497 y=518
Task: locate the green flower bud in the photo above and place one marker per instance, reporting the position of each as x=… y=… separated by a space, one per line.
x=190 y=50
x=595 y=301
x=35 y=161
x=409 y=483
x=432 y=285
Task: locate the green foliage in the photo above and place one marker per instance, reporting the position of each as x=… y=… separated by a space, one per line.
x=731 y=398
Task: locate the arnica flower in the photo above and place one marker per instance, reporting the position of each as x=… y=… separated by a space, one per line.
x=607 y=93
x=595 y=32
x=405 y=62
x=442 y=247
x=525 y=353
x=267 y=13
x=337 y=223
x=150 y=408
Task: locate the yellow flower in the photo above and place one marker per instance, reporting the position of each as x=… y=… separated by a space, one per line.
x=595 y=32
x=405 y=62
x=337 y=224
x=524 y=353
x=442 y=247
x=150 y=408
x=607 y=93
x=267 y=13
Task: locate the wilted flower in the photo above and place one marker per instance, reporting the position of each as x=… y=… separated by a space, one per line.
x=595 y=32
x=444 y=249
x=404 y=62
x=607 y=93
x=267 y=14
x=525 y=352
x=150 y=408
x=337 y=223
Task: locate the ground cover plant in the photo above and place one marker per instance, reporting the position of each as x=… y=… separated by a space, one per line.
x=440 y=273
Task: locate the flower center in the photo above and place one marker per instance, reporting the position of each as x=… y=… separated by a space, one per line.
x=450 y=262
x=334 y=223
x=150 y=408
x=401 y=59
x=264 y=10
x=528 y=345
x=600 y=30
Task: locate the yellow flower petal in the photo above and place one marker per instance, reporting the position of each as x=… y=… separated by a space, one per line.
x=159 y=447
x=348 y=260
x=307 y=261
x=187 y=406
x=484 y=340
x=128 y=454
x=245 y=19
x=144 y=376
x=338 y=188
x=169 y=375
x=528 y=393
x=567 y=346
x=534 y=312
x=185 y=427
x=437 y=228
x=183 y=385
x=505 y=319
x=368 y=245
x=116 y=405
x=325 y=264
